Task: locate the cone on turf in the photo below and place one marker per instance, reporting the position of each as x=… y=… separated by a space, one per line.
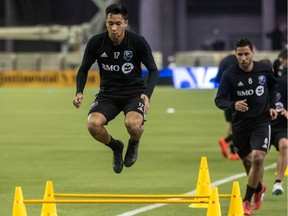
x=19 y=208
x=49 y=209
x=235 y=207
x=203 y=187
x=286 y=171
x=214 y=208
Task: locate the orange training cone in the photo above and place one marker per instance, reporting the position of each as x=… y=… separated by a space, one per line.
x=19 y=208
x=49 y=209
x=235 y=207
x=214 y=208
x=203 y=185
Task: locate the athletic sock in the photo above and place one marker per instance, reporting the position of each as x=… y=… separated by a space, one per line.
x=259 y=187
x=133 y=142
x=114 y=145
x=232 y=149
x=277 y=181
x=249 y=193
x=229 y=138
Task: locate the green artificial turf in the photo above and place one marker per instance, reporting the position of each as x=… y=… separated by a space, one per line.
x=44 y=138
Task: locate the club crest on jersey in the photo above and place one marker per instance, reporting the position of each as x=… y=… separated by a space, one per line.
x=278 y=96
x=127 y=55
x=262 y=80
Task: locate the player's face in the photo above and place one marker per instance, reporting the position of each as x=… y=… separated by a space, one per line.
x=244 y=56
x=116 y=25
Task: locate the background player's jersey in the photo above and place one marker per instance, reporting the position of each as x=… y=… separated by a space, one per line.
x=281 y=102
x=119 y=65
x=258 y=87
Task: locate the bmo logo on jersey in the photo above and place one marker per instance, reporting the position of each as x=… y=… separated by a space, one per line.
x=247 y=92
x=258 y=91
x=111 y=67
x=127 y=68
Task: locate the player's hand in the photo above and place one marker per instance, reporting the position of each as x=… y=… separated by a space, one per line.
x=284 y=112
x=77 y=100
x=273 y=113
x=146 y=103
x=241 y=106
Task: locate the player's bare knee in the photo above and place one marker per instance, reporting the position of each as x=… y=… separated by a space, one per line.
x=283 y=146
x=94 y=125
x=258 y=160
x=133 y=125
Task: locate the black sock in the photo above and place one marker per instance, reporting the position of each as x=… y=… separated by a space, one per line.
x=229 y=138
x=114 y=145
x=259 y=187
x=277 y=181
x=249 y=193
x=232 y=149
x=133 y=142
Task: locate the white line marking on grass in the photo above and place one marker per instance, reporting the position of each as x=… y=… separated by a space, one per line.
x=214 y=184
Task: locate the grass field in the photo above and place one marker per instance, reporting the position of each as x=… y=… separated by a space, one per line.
x=43 y=137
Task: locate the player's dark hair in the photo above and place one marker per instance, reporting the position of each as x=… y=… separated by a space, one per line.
x=117 y=9
x=244 y=42
x=267 y=62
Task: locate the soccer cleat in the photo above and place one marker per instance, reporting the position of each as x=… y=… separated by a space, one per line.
x=258 y=198
x=131 y=153
x=234 y=156
x=117 y=162
x=224 y=147
x=247 y=208
x=277 y=189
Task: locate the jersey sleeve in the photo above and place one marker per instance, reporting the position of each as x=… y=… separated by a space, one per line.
x=88 y=59
x=222 y=97
x=148 y=60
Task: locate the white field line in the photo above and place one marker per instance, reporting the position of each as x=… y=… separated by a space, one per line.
x=214 y=184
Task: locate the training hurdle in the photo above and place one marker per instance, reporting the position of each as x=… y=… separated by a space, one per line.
x=209 y=201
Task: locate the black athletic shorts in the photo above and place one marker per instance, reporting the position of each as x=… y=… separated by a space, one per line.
x=228 y=115
x=276 y=135
x=255 y=138
x=111 y=106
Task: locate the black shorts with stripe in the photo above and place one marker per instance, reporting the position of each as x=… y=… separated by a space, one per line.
x=254 y=138
x=110 y=106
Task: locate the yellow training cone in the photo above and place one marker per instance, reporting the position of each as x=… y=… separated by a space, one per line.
x=214 y=208
x=286 y=171
x=235 y=207
x=203 y=184
x=49 y=209
x=19 y=208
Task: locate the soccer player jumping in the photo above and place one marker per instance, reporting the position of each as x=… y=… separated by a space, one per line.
x=119 y=54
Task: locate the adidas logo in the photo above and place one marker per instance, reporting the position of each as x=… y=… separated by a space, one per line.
x=265 y=146
x=104 y=55
x=240 y=84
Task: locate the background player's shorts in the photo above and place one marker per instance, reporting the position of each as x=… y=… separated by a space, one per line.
x=255 y=138
x=228 y=115
x=276 y=135
x=111 y=106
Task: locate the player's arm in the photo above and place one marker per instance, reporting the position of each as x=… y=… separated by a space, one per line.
x=147 y=59
x=222 y=97
x=81 y=77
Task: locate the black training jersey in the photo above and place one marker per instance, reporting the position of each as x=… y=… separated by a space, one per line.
x=119 y=65
x=224 y=64
x=258 y=87
x=281 y=102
